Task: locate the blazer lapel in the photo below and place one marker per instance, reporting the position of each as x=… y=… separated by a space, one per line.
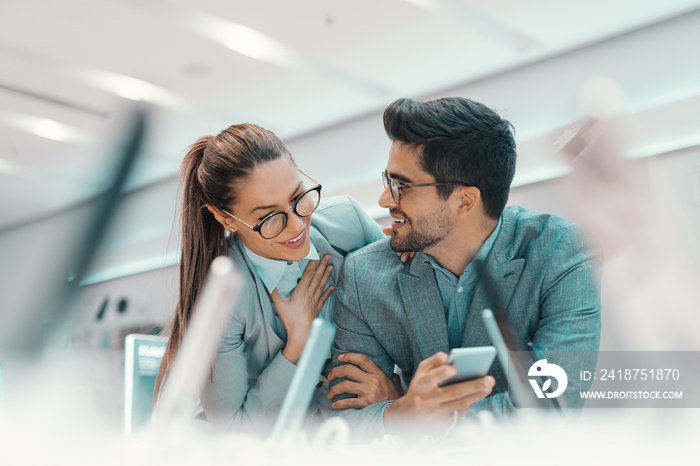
x=505 y=277
x=239 y=256
x=423 y=308
x=505 y=272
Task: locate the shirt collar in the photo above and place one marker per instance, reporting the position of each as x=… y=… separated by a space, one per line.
x=270 y=271
x=481 y=254
x=485 y=249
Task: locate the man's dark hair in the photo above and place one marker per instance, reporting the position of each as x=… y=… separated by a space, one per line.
x=462 y=141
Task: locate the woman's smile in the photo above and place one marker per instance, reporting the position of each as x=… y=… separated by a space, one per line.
x=296 y=242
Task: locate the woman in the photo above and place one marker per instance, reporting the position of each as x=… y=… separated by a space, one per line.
x=244 y=196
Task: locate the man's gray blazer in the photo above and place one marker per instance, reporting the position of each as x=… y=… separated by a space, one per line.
x=548 y=281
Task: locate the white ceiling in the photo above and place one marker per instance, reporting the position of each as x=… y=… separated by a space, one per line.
x=318 y=73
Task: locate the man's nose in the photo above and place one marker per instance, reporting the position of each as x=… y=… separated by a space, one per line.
x=386 y=200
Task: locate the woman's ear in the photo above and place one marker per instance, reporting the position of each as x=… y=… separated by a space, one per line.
x=222 y=218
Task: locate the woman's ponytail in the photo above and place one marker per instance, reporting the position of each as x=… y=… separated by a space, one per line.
x=202 y=241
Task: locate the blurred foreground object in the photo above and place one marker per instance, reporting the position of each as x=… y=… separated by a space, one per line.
x=48 y=375
x=46 y=312
x=306 y=376
x=653 y=295
x=183 y=382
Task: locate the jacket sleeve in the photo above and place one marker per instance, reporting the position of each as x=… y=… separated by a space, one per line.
x=231 y=399
x=354 y=336
x=570 y=310
x=568 y=333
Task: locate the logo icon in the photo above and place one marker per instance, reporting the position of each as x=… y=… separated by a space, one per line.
x=544 y=369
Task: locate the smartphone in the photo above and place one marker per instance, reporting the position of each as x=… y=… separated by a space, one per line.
x=471 y=363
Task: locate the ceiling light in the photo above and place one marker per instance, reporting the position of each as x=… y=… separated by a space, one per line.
x=43 y=127
x=254 y=44
x=50 y=129
x=130 y=88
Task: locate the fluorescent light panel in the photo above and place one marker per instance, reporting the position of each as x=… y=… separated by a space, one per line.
x=44 y=127
x=129 y=88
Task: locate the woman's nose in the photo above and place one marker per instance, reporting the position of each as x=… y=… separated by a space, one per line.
x=295 y=222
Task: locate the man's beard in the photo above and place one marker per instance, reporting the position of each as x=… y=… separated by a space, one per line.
x=424 y=232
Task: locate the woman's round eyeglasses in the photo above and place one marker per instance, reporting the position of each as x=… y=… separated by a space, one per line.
x=274 y=223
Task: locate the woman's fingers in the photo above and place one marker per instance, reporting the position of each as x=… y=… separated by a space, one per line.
x=313 y=275
x=276 y=298
x=324 y=297
x=322 y=284
x=308 y=274
x=320 y=278
x=308 y=297
x=317 y=274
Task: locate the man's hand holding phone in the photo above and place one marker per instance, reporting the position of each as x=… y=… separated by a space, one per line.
x=428 y=407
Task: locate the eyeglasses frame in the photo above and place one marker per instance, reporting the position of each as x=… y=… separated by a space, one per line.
x=258 y=227
x=388 y=180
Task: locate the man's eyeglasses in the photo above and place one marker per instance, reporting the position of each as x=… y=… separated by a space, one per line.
x=396 y=186
x=274 y=223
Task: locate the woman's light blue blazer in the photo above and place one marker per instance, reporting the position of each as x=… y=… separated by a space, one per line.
x=250 y=376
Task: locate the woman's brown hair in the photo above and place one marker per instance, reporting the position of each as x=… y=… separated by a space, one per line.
x=212 y=168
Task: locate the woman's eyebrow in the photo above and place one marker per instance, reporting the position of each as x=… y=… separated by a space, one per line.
x=267 y=207
x=296 y=191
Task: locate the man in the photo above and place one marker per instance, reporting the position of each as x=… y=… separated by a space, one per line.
x=447 y=182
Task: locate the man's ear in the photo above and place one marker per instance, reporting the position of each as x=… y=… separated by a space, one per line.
x=469 y=197
x=222 y=218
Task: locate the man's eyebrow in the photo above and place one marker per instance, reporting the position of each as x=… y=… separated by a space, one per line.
x=399 y=177
x=268 y=207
